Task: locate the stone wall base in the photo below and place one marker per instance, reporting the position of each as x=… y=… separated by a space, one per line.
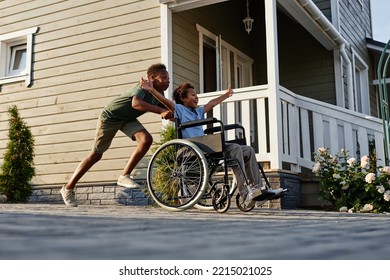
x=286 y=180
x=87 y=194
x=111 y=194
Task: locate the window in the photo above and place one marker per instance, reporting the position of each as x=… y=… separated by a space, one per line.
x=361 y=93
x=16 y=56
x=17 y=65
x=221 y=65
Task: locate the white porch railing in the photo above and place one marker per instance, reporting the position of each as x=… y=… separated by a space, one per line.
x=306 y=125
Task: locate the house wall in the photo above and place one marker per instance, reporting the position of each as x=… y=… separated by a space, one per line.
x=306 y=67
x=185 y=50
x=325 y=7
x=85 y=53
x=355 y=26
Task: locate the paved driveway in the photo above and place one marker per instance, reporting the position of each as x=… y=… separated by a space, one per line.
x=57 y=232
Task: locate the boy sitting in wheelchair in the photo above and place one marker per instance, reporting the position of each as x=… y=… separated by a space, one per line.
x=185 y=109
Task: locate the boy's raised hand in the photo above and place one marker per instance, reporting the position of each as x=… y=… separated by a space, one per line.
x=229 y=91
x=146 y=84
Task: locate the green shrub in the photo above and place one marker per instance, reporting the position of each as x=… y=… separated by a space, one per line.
x=17 y=170
x=168 y=133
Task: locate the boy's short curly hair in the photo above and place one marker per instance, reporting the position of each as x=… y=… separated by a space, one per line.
x=154 y=69
x=181 y=92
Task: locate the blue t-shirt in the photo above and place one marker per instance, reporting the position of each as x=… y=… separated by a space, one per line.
x=184 y=114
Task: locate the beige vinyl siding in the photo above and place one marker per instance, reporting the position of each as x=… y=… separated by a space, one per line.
x=185 y=51
x=85 y=54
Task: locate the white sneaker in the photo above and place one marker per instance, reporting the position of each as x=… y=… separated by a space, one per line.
x=127 y=182
x=254 y=192
x=68 y=196
x=275 y=192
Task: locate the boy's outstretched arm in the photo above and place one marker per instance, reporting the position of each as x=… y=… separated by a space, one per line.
x=214 y=102
x=148 y=85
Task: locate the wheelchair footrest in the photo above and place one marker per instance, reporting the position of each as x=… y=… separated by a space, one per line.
x=270 y=196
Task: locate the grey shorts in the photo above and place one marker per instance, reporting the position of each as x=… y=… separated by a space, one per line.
x=106 y=130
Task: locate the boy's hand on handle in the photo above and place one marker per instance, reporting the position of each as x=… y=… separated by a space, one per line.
x=167 y=115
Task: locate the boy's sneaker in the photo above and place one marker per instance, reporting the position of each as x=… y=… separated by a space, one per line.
x=276 y=192
x=68 y=196
x=127 y=182
x=253 y=193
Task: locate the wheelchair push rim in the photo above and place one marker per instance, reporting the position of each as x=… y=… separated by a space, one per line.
x=177 y=175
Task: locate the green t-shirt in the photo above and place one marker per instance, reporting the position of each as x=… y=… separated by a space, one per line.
x=120 y=108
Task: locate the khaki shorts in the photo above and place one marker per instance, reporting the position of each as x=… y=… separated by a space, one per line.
x=106 y=130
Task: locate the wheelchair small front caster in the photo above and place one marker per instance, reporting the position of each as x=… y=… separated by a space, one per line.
x=241 y=205
x=221 y=200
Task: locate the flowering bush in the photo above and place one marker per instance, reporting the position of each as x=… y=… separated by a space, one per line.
x=351 y=185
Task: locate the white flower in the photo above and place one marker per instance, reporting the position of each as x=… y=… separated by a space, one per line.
x=380 y=189
x=386 y=196
x=351 y=161
x=367 y=208
x=322 y=150
x=364 y=161
x=370 y=177
x=343 y=209
x=316 y=167
x=336 y=176
x=344 y=184
x=350 y=210
x=386 y=169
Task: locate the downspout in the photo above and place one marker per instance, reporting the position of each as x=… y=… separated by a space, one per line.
x=315 y=13
x=351 y=99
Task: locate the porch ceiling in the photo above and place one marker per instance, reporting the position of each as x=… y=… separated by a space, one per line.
x=305 y=12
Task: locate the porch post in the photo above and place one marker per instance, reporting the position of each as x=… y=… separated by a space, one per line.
x=166 y=42
x=166 y=46
x=273 y=84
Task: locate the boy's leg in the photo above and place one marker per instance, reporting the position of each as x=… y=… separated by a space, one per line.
x=105 y=132
x=82 y=168
x=144 y=140
x=234 y=151
x=251 y=165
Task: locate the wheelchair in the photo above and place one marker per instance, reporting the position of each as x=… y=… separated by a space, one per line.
x=194 y=172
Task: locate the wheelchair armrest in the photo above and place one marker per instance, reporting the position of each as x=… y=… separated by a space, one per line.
x=198 y=122
x=226 y=127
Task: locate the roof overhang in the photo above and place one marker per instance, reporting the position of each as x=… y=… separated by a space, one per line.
x=182 y=5
x=376 y=46
x=306 y=13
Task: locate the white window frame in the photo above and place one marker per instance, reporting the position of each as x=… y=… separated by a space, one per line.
x=361 y=87
x=7 y=42
x=14 y=48
x=223 y=61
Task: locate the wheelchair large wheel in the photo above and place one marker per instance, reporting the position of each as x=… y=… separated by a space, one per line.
x=177 y=175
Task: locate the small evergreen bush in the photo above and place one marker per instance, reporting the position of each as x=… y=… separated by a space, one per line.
x=17 y=170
